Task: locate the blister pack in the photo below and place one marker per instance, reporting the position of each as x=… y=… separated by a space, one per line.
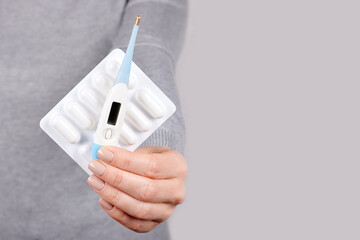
x=72 y=122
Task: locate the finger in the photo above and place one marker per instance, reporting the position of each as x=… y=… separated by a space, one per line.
x=153 y=149
x=162 y=165
x=141 y=188
x=132 y=223
x=141 y=210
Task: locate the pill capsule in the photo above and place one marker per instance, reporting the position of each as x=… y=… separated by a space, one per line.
x=79 y=115
x=92 y=99
x=66 y=129
x=113 y=67
x=137 y=118
x=132 y=81
x=102 y=82
x=150 y=103
x=127 y=135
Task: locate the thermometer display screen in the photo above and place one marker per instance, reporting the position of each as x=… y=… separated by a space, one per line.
x=114 y=113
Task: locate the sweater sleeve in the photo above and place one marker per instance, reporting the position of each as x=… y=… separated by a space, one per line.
x=158 y=45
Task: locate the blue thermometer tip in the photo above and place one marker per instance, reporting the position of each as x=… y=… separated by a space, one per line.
x=124 y=72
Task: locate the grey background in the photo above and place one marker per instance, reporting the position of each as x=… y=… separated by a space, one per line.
x=270 y=95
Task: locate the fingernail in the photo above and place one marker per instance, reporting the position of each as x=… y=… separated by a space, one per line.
x=105 y=154
x=96 y=167
x=96 y=182
x=105 y=204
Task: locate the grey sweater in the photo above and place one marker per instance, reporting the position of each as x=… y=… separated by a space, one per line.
x=46 y=48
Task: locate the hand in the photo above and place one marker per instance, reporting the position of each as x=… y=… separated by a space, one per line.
x=139 y=189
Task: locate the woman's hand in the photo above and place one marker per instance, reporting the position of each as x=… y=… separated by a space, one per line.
x=139 y=189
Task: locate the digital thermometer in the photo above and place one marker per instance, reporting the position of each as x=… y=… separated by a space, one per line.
x=114 y=109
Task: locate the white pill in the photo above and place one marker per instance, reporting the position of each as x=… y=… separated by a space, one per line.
x=127 y=135
x=102 y=82
x=79 y=115
x=65 y=129
x=137 y=118
x=113 y=67
x=92 y=99
x=150 y=103
x=132 y=81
